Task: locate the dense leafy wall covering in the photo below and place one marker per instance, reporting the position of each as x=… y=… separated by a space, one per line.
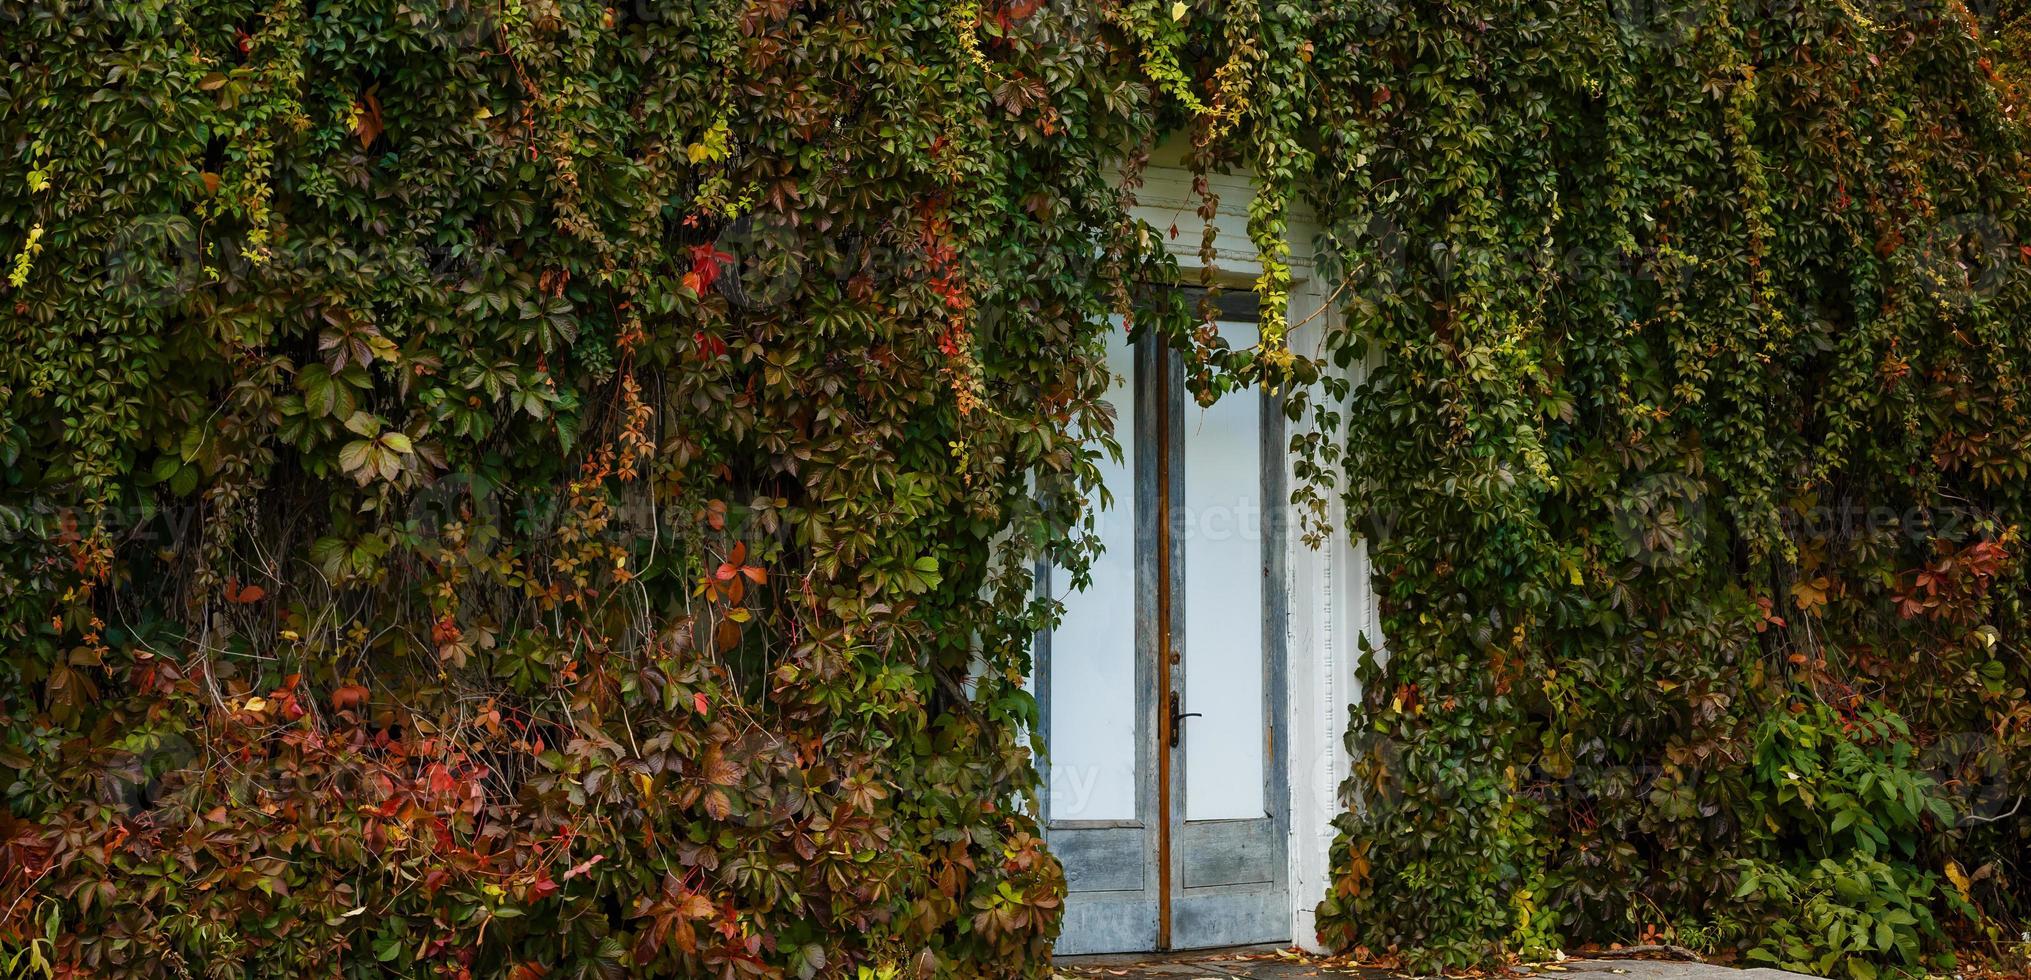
x=536 y=488
x=1694 y=463
x=512 y=488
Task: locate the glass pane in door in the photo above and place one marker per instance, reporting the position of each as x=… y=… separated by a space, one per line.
x=1092 y=676
x=1220 y=527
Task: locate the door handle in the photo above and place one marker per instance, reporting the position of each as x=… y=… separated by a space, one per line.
x=1178 y=716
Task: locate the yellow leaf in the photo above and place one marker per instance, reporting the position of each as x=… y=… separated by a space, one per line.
x=1955 y=874
x=1178 y=10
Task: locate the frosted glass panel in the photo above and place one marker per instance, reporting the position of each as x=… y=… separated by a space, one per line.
x=1221 y=527
x=1093 y=713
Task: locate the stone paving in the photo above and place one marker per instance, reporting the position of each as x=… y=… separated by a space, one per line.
x=1259 y=964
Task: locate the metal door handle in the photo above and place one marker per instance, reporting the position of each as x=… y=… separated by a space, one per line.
x=1178 y=716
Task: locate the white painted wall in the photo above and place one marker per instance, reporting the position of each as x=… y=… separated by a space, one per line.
x=1332 y=607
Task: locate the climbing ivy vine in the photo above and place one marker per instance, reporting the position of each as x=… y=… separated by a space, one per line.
x=1689 y=456
x=541 y=488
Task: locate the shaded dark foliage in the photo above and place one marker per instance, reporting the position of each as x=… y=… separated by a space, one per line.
x=541 y=488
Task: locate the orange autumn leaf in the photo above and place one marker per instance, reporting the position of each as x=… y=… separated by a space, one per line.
x=1812 y=594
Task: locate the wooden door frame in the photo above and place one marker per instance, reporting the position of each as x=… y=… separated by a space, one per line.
x=1273 y=484
x=1158 y=395
x=1147 y=355
x=1168 y=573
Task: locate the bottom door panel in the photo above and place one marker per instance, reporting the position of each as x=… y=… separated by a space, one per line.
x=1231 y=889
x=1111 y=905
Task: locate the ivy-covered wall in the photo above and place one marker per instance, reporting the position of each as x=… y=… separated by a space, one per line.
x=541 y=488
x=1694 y=463
x=537 y=488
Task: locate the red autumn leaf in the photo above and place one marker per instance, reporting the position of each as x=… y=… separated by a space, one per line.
x=705 y=263
x=700 y=702
x=235 y=593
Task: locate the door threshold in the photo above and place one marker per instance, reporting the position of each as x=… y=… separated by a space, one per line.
x=1172 y=956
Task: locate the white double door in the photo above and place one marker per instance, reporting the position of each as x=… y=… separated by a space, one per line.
x=1163 y=686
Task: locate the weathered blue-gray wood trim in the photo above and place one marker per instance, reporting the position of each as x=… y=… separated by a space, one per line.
x=1218 y=853
x=1040 y=678
x=1104 y=859
x=1180 y=642
x=1236 y=916
x=1108 y=922
x=1151 y=357
x=1276 y=627
x=1230 y=878
x=1111 y=874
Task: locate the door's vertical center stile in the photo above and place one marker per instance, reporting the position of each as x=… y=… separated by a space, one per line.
x=1166 y=658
